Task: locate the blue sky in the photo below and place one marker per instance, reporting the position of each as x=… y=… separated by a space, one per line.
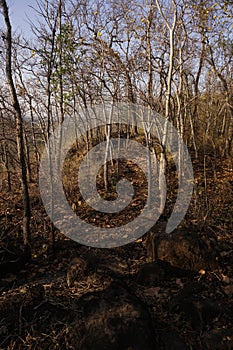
x=19 y=10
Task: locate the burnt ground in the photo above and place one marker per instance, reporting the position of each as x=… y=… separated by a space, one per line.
x=75 y=297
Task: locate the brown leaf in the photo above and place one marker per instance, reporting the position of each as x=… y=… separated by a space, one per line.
x=226 y=279
x=152 y=292
x=229 y=289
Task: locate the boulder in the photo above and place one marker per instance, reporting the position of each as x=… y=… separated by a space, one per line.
x=114 y=319
x=218 y=339
x=186 y=250
x=150 y=274
x=154 y=273
x=199 y=310
x=170 y=340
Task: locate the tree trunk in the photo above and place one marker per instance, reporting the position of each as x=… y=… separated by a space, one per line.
x=19 y=129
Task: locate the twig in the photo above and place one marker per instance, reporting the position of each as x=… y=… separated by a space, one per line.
x=20 y=319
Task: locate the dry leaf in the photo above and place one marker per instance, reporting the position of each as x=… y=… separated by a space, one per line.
x=179 y=282
x=229 y=289
x=226 y=279
x=152 y=292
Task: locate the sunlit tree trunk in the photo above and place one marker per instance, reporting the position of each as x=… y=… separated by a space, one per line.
x=171 y=29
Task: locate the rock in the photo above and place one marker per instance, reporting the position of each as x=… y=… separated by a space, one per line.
x=190 y=289
x=171 y=340
x=115 y=319
x=150 y=274
x=186 y=250
x=154 y=273
x=200 y=311
x=151 y=238
x=218 y=339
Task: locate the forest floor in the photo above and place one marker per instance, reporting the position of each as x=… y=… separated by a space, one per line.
x=40 y=310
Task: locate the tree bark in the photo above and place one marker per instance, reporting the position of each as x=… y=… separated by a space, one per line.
x=19 y=129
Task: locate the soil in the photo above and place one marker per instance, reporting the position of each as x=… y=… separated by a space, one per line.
x=71 y=296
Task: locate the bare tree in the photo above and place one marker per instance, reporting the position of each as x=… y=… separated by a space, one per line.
x=19 y=128
x=171 y=29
